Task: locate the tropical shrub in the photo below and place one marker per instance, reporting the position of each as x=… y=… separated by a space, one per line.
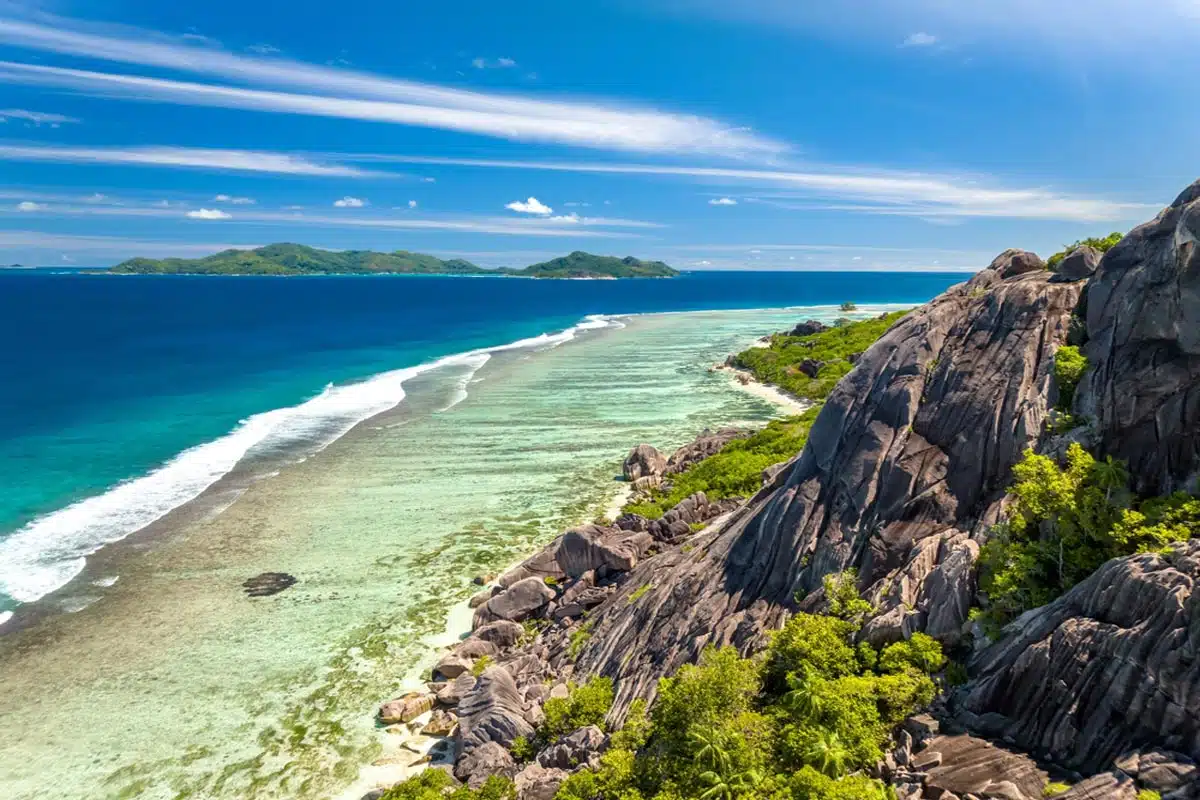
x=1069 y=366
x=1103 y=244
x=586 y=705
x=1066 y=522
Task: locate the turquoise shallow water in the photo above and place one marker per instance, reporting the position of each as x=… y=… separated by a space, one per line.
x=127 y=396
x=166 y=681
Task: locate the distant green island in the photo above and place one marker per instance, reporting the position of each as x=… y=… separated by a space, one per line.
x=296 y=259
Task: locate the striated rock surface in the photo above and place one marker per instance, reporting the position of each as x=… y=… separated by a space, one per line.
x=706 y=444
x=905 y=467
x=492 y=712
x=515 y=603
x=1110 y=667
x=1143 y=326
x=965 y=765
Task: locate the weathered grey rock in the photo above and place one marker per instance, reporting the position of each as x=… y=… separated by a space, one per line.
x=442 y=723
x=964 y=765
x=454 y=691
x=706 y=444
x=480 y=763
x=1111 y=666
x=479 y=598
x=452 y=665
x=502 y=633
x=644 y=460
x=516 y=603
x=916 y=443
x=808 y=328
x=811 y=367
x=536 y=782
x=474 y=647
x=406 y=708
x=492 y=712
x=1143 y=325
x=591 y=546
x=1105 y=786
x=1078 y=266
x=1012 y=263
x=574 y=749
x=1160 y=771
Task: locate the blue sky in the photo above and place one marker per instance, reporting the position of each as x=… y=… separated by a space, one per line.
x=762 y=134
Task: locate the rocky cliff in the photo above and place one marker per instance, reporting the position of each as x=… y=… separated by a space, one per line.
x=904 y=475
x=905 y=467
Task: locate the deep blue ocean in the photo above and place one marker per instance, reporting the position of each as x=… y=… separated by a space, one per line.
x=109 y=378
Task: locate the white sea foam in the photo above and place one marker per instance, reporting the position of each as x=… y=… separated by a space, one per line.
x=50 y=551
x=105 y=583
x=5 y=616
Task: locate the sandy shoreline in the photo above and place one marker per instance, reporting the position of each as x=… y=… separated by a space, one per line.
x=746 y=381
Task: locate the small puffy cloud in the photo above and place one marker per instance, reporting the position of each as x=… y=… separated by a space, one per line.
x=428 y=180
x=30 y=206
x=208 y=213
x=412 y=203
x=722 y=201
x=571 y=218
x=530 y=206
x=920 y=39
x=237 y=201
x=293 y=208
x=493 y=63
x=350 y=202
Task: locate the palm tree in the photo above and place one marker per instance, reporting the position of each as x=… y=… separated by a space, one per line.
x=1110 y=475
x=708 y=748
x=803 y=698
x=828 y=754
x=723 y=786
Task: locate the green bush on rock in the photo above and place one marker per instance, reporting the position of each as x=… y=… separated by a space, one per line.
x=1069 y=366
x=434 y=784
x=1103 y=244
x=585 y=705
x=1066 y=522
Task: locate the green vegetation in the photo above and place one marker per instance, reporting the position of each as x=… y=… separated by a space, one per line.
x=522 y=750
x=585 y=705
x=847 y=306
x=579 y=638
x=1066 y=522
x=799 y=723
x=481 y=664
x=295 y=259
x=1148 y=794
x=639 y=593
x=779 y=364
x=737 y=470
x=1103 y=244
x=434 y=784
x=1069 y=366
x=1055 y=788
x=586 y=265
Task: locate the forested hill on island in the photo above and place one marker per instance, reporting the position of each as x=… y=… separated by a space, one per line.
x=295 y=259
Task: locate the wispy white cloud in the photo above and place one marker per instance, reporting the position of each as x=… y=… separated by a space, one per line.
x=35 y=118
x=412 y=203
x=854 y=189
x=195 y=157
x=29 y=205
x=590 y=227
x=350 y=202
x=722 y=201
x=233 y=200
x=334 y=92
x=493 y=63
x=920 y=39
x=263 y=49
x=530 y=206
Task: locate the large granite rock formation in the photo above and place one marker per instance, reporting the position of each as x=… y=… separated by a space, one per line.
x=905 y=467
x=1143 y=325
x=1109 y=667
